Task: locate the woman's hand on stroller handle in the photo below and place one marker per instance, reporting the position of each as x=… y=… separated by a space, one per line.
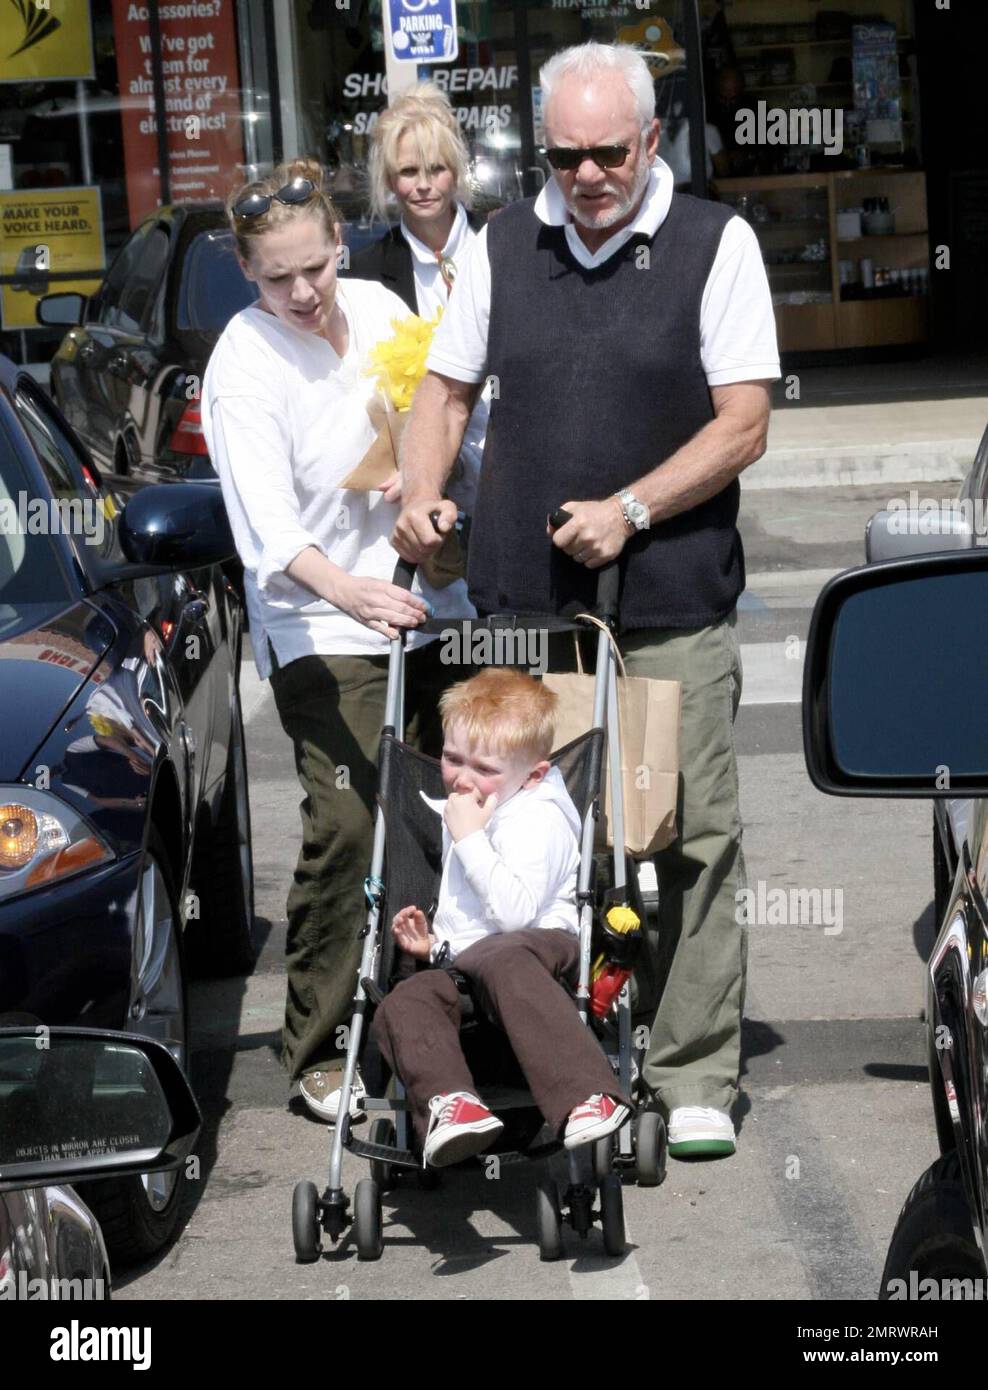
x=380 y=605
x=411 y=931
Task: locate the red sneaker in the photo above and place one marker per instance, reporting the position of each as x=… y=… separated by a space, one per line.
x=460 y=1126
x=594 y=1119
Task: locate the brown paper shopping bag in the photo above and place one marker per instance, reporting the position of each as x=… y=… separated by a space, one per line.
x=448 y=563
x=649 y=715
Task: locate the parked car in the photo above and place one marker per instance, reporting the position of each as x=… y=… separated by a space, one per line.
x=896 y=670
x=82 y=1102
x=124 y=816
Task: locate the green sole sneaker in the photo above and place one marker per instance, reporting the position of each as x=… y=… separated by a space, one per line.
x=702 y=1148
x=699 y=1131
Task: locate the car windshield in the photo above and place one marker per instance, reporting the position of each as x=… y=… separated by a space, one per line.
x=31 y=577
x=212 y=288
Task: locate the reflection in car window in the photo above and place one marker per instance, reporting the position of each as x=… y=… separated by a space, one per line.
x=30 y=574
x=68 y=474
x=213 y=287
x=132 y=283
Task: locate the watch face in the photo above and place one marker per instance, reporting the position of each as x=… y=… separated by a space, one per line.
x=638 y=513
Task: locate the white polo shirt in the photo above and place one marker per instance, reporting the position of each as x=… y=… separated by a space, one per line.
x=737 y=323
x=430 y=295
x=285 y=421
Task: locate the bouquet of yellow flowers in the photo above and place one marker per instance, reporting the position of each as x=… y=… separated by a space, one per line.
x=398 y=365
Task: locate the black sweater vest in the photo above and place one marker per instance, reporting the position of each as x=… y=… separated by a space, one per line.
x=598 y=380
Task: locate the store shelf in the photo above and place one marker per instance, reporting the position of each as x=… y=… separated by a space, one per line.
x=885 y=236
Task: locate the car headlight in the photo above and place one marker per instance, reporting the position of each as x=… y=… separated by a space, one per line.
x=42 y=840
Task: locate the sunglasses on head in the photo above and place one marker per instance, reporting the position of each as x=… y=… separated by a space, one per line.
x=604 y=156
x=300 y=190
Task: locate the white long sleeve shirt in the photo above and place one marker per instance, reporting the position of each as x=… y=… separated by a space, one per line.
x=285 y=421
x=518 y=871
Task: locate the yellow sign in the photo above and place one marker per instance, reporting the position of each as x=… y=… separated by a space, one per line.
x=46 y=233
x=45 y=40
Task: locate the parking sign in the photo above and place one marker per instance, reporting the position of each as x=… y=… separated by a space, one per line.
x=422 y=31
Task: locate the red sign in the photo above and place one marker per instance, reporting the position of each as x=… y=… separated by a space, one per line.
x=202 y=101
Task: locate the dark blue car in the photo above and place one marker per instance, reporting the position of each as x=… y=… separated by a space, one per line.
x=124 y=822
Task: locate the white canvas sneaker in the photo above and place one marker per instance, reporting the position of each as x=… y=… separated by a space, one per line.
x=314 y=1088
x=697 y=1131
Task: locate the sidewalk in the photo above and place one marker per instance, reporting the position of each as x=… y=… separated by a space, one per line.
x=875 y=423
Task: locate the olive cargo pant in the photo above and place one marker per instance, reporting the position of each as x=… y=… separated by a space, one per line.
x=332 y=708
x=698 y=963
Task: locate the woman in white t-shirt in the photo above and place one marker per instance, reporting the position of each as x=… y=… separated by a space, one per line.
x=285 y=420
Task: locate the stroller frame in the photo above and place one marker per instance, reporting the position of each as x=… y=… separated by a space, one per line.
x=639 y=1145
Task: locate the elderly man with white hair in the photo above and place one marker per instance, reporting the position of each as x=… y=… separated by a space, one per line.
x=630 y=332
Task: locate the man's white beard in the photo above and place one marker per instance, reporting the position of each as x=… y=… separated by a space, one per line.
x=598 y=221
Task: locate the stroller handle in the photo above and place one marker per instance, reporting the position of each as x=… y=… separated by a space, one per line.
x=608 y=580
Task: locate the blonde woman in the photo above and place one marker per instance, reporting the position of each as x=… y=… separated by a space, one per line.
x=418 y=161
x=285 y=419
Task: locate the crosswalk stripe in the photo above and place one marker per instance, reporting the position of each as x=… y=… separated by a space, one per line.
x=773 y=672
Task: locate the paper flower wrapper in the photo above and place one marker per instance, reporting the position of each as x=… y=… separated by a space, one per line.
x=399 y=365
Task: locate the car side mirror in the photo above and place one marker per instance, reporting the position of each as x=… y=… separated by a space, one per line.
x=894 y=679
x=61 y=310
x=177 y=526
x=893 y=534
x=78 y=1103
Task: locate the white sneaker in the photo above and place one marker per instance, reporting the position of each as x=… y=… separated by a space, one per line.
x=314 y=1088
x=696 y=1131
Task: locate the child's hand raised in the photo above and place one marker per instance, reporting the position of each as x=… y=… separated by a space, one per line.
x=411 y=931
x=465 y=813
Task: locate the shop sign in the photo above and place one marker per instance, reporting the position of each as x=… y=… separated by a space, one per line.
x=46 y=232
x=202 y=101
x=45 y=43
x=422 y=31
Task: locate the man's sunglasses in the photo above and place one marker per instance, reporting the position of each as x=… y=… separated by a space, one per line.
x=300 y=190
x=604 y=156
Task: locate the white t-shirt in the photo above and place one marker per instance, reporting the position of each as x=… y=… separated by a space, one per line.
x=285 y=421
x=431 y=294
x=737 y=323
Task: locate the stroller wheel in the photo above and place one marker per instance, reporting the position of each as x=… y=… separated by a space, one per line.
x=612 y=1214
x=382 y=1131
x=305 y=1223
x=602 y=1158
x=367 y=1220
x=548 y=1220
x=649 y=1130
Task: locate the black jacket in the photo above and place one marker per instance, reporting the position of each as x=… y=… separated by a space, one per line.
x=390 y=262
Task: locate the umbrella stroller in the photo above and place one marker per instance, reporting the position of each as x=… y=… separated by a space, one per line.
x=405 y=868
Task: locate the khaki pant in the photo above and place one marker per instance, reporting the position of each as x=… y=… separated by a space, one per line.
x=332 y=707
x=698 y=963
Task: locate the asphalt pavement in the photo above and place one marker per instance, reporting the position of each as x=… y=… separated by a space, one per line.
x=834 y=1121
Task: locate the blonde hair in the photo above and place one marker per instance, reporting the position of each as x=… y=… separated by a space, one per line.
x=249 y=229
x=506 y=710
x=424 y=112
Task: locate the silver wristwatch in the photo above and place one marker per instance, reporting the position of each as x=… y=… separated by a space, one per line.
x=636 y=514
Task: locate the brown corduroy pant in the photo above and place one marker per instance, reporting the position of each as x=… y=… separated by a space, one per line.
x=516 y=985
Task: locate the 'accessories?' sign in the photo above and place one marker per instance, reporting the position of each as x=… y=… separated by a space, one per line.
x=44 y=234
x=202 y=101
x=51 y=42
x=422 y=31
